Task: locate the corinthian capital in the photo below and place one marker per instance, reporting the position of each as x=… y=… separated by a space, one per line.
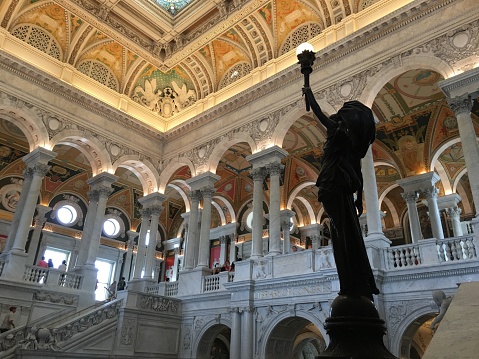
x=410 y=197
x=461 y=104
x=40 y=169
x=275 y=168
x=258 y=174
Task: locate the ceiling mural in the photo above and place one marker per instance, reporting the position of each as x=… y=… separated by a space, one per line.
x=173 y=6
x=141 y=59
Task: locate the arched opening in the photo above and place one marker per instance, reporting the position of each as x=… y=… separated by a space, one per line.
x=416 y=338
x=215 y=343
x=296 y=338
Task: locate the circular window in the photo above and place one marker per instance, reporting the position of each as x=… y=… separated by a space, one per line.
x=111 y=227
x=66 y=214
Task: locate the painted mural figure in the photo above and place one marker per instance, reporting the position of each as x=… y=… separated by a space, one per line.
x=350 y=132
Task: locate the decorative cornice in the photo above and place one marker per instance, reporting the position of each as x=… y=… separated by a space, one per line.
x=428 y=274
x=61 y=88
x=330 y=54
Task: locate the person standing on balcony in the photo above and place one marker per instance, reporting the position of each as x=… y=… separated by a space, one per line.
x=42 y=263
x=50 y=263
x=8 y=321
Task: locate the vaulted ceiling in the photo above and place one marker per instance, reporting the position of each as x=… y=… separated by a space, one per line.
x=166 y=55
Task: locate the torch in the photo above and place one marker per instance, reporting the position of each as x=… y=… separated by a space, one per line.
x=306 y=56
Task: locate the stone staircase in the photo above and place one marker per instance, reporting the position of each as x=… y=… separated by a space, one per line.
x=92 y=329
x=458 y=331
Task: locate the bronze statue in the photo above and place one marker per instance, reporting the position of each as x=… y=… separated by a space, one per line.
x=350 y=132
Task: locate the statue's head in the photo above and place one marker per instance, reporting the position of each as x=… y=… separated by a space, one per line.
x=360 y=121
x=438 y=296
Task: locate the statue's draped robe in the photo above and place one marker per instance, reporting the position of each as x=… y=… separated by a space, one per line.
x=340 y=177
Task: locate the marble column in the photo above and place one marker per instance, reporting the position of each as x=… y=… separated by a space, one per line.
x=286 y=216
x=184 y=244
x=247 y=333
x=101 y=189
x=174 y=276
x=39 y=171
x=455 y=216
x=204 y=250
x=265 y=161
x=224 y=246
x=235 y=345
x=434 y=216
x=415 y=226
x=151 y=249
x=462 y=106
x=141 y=247
x=27 y=180
x=232 y=239
x=274 y=170
x=191 y=253
x=371 y=196
x=40 y=220
x=129 y=254
x=258 y=175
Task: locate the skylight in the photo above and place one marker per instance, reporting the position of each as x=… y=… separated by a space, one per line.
x=173 y=6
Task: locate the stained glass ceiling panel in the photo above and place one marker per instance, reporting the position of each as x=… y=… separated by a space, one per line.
x=173 y=6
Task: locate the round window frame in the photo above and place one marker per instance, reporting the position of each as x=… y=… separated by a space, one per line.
x=79 y=213
x=121 y=226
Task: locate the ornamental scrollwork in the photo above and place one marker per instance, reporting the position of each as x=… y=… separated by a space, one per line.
x=158 y=304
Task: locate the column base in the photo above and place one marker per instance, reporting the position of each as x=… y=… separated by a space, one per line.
x=355 y=330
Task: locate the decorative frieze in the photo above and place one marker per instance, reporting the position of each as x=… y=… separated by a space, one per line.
x=55 y=297
x=158 y=304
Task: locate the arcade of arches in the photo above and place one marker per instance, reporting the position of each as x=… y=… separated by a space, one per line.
x=189 y=132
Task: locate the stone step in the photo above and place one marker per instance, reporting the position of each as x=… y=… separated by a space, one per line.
x=456 y=336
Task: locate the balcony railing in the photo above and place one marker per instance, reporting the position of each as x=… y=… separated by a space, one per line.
x=52 y=277
x=171 y=289
x=430 y=252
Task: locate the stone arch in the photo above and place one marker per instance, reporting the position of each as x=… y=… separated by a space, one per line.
x=392 y=211
x=180 y=190
x=229 y=207
x=320 y=214
x=289 y=118
x=440 y=170
x=28 y=122
x=204 y=340
x=385 y=193
x=395 y=337
x=89 y=146
x=171 y=168
x=143 y=169
x=226 y=143
x=293 y=195
x=426 y=61
x=309 y=208
x=294 y=324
